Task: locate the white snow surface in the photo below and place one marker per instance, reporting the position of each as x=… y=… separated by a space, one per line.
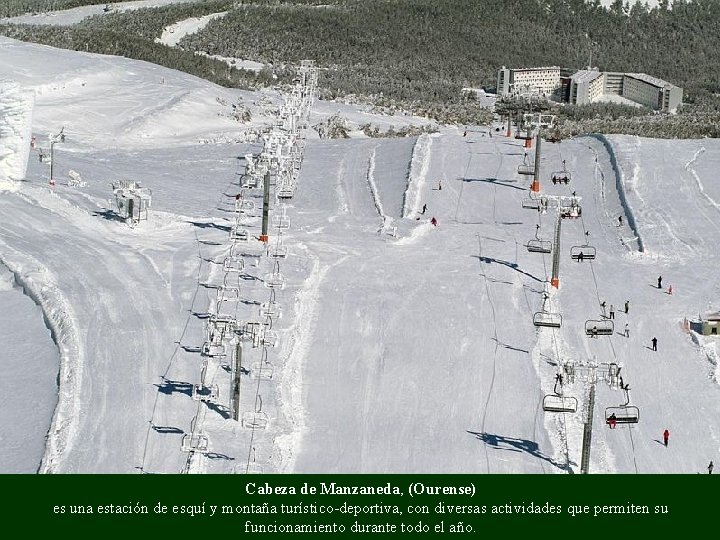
x=16 y=106
x=68 y=17
x=172 y=34
x=403 y=347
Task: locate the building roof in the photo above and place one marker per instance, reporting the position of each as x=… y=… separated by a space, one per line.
x=537 y=68
x=585 y=75
x=649 y=79
x=713 y=316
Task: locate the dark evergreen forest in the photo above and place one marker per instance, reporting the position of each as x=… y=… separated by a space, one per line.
x=419 y=54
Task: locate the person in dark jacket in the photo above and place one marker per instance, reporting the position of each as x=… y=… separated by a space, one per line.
x=666 y=436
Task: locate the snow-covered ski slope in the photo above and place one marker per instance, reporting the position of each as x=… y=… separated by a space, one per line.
x=403 y=347
x=72 y=16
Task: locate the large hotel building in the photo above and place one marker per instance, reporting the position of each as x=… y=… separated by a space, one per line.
x=589 y=85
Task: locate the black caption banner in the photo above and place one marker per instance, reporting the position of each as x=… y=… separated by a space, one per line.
x=357 y=505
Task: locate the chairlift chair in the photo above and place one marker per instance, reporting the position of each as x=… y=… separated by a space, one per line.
x=539 y=246
x=255 y=420
x=275 y=281
x=195 y=443
x=582 y=253
x=531 y=203
x=205 y=393
x=222 y=323
x=561 y=177
x=265 y=338
x=624 y=414
x=233 y=264
x=213 y=351
x=571 y=211
x=270 y=310
x=593 y=328
x=262 y=370
x=243 y=206
x=239 y=234
x=214 y=336
x=547 y=319
x=558 y=403
x=249 y=181
x=279 y=251
x=281 y=222
x=526 y=167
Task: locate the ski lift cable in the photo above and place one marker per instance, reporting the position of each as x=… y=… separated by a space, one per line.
x=252 y=428
x=173 y=356
x=612 y=348
x=495 y=351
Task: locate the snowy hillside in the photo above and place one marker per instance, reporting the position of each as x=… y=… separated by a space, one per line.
x=403 y=346
x=16 y=106
x=75 y=15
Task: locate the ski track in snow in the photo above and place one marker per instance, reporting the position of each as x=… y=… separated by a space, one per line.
x=690 y=168
x=300 y=336
x=417 y=177
x=386 y=220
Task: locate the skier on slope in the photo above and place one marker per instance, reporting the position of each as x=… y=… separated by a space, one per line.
x=666 y=436
x=433 y=221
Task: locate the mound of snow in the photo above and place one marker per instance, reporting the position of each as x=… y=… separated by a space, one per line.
x=16 y=107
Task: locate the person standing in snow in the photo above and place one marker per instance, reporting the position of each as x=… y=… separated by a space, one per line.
x=627 y=306
x=666 y=436
x=670 y=290
x=612 y=311
x=433 y=221
x=619 y=221
x=654 y=342
x=424 y=208
x=603 y=307
x=710 y=468
x=627 y=330
x=659 y=282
